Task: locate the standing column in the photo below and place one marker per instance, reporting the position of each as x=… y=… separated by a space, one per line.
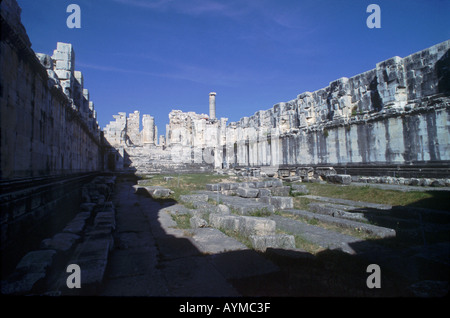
x=212 y=105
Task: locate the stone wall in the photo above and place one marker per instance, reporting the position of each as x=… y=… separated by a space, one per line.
x=188 y=146
x=48 y=124
x=395 y=113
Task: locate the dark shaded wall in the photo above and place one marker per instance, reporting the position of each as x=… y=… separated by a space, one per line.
x=47 y=126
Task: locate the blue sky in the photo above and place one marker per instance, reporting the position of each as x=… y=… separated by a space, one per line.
x=158 y=55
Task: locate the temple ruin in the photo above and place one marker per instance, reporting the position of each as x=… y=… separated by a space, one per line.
x=391 y=118
x=73 y=193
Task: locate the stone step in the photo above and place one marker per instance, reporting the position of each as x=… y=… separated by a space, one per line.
x=339 y=211
x=85 y=240
x=242 y=206
x=316 y=234
x=213 y=241
x=374 y=230
x=349 y=202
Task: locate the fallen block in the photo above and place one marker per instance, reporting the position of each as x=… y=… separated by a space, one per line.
x=279 y=202
x=249 y=225
x=63 y=242
x=244 y=225
x=247 y=192
x=282 y=191
x=340 y=179
x=30 y=272
x=375 y=230
x=264 y=193
x=157 y=192
x=213 y=187
x=262 y=242
x=197 y=222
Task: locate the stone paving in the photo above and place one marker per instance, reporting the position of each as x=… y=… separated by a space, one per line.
x=153 y=258
x=127 y=243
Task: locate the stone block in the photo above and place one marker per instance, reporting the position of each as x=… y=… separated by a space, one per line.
x=63 y=74
x=277 y=183
x=226 y=222
x=325 y=171
x=224 y=186
x=63 y=242
x=281 y=191
x=246 y=185
x=157 y=192
x=340 y=179
x=262 y=242
x=279 y=203
x=197 y=222
x=36 y=261
x=63 y=65
x=260 y=184
x=264 y=193
x=213 y=187
x=190 y=198
x=438 y=183
x=299 y=189
x=249 y=225
x=223 y=209
x=247 y=192
x=292 y=178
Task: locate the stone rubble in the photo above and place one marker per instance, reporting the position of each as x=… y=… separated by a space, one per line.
x=86 y=241
x=373 y=118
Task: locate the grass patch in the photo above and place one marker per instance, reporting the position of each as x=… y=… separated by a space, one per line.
x=301 y=203
x=243 y=239
x=259 y=213
x=439 y=200
x=301 y=242
x=182 y=184
x=330 y=227
x=182 y=221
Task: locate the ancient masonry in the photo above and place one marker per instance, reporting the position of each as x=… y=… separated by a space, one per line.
x=394 y=118
x=48 y=123
x=50 y=139
x=56 y=188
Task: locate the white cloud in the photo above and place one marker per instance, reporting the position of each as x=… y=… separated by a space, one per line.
x=185 y=72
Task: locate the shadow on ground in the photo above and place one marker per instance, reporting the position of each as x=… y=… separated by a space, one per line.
x=148 y=260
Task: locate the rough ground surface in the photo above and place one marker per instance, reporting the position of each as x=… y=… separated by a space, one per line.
x=132 y=246
x=152 y=257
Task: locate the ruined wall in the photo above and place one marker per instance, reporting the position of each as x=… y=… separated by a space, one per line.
x=190 y=143
x=395 y=113
x=48 y=124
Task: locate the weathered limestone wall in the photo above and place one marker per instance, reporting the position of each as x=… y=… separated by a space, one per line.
x=395 y=113
x=191 y=143
x=48 y=124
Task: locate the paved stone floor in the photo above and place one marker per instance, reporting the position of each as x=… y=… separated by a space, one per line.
x=152 y=259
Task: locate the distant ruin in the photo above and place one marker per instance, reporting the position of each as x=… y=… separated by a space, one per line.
x=61 y=176
x=395 y=115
